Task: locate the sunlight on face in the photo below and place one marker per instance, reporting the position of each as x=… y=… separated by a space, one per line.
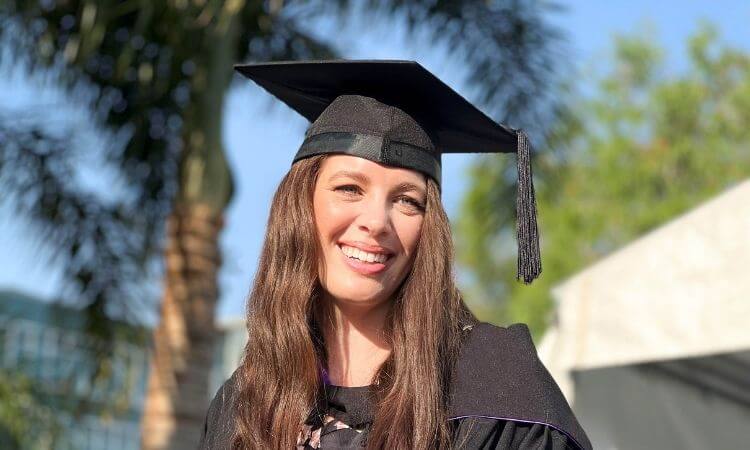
x=369 y=218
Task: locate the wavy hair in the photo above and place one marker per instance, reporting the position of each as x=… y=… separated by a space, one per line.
x=279 y=382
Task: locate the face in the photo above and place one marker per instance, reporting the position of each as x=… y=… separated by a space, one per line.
x=369 y=218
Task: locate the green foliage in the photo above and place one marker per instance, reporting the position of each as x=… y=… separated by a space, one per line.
x=26 y=421
x=642 y=149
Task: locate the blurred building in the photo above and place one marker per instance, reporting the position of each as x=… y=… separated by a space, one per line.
x=652 y=343
x=45 y=344
x=230 y=345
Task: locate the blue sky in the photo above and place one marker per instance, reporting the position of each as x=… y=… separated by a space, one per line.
x=255 y=125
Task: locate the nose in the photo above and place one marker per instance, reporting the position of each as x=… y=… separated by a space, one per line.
x=374 y=217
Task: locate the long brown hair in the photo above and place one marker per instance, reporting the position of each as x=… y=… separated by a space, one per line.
x=279 y=380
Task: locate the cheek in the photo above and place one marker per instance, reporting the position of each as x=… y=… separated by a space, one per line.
x=410 y=229
x=330 y=219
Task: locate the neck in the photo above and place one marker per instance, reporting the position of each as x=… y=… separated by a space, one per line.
x=355 y=341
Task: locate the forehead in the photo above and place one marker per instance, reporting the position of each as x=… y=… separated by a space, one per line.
x=335 y=165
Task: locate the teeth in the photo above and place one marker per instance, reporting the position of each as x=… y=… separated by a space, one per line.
x=356 y=253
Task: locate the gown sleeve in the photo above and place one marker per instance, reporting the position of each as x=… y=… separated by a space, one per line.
x=500 y=383
x=494 y=434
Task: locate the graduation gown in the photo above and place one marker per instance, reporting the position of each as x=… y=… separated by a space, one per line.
x=502 y=397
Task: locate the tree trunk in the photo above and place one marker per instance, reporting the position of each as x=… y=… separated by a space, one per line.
x=183 y=342
x=177 y=395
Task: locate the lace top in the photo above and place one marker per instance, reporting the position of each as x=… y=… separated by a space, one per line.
x=348 y=418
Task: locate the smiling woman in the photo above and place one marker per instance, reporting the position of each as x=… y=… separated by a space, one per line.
x=357 y=335
x=369 y=219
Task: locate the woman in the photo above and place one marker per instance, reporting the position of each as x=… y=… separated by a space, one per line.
x=357 y=334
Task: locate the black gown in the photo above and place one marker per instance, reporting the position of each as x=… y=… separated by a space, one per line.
x=502 y=398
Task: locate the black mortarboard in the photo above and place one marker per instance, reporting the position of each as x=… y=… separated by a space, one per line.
x=398 y=113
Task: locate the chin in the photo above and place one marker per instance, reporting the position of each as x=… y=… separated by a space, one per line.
x=357 y=295
x=357 y=298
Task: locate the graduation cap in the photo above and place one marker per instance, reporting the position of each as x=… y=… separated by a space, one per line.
x=399 y=114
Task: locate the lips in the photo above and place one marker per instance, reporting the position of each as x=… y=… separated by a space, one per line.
x=362 y=267
x=356 y=253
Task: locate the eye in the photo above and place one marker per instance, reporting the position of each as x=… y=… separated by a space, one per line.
x=349 y=189
x=411 y=202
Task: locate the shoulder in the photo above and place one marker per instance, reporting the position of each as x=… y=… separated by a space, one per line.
x=495 y=351
x=219 y=420
x=499 y=375
x=514 y=339
x=498 y=369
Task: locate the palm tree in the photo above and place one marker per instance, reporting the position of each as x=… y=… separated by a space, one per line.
x=160 y=70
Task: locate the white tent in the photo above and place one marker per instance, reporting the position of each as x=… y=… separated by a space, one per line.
x=641 y=335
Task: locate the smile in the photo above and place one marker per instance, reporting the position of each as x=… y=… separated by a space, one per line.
x=355 y=253
x=365 y=263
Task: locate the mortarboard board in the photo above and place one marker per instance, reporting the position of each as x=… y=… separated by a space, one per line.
x=398 y=113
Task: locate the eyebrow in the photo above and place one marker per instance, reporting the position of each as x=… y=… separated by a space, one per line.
x=407 y=186
x=364 y=179
x=359 y=176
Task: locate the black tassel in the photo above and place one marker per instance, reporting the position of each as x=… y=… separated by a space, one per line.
x=527 y=232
